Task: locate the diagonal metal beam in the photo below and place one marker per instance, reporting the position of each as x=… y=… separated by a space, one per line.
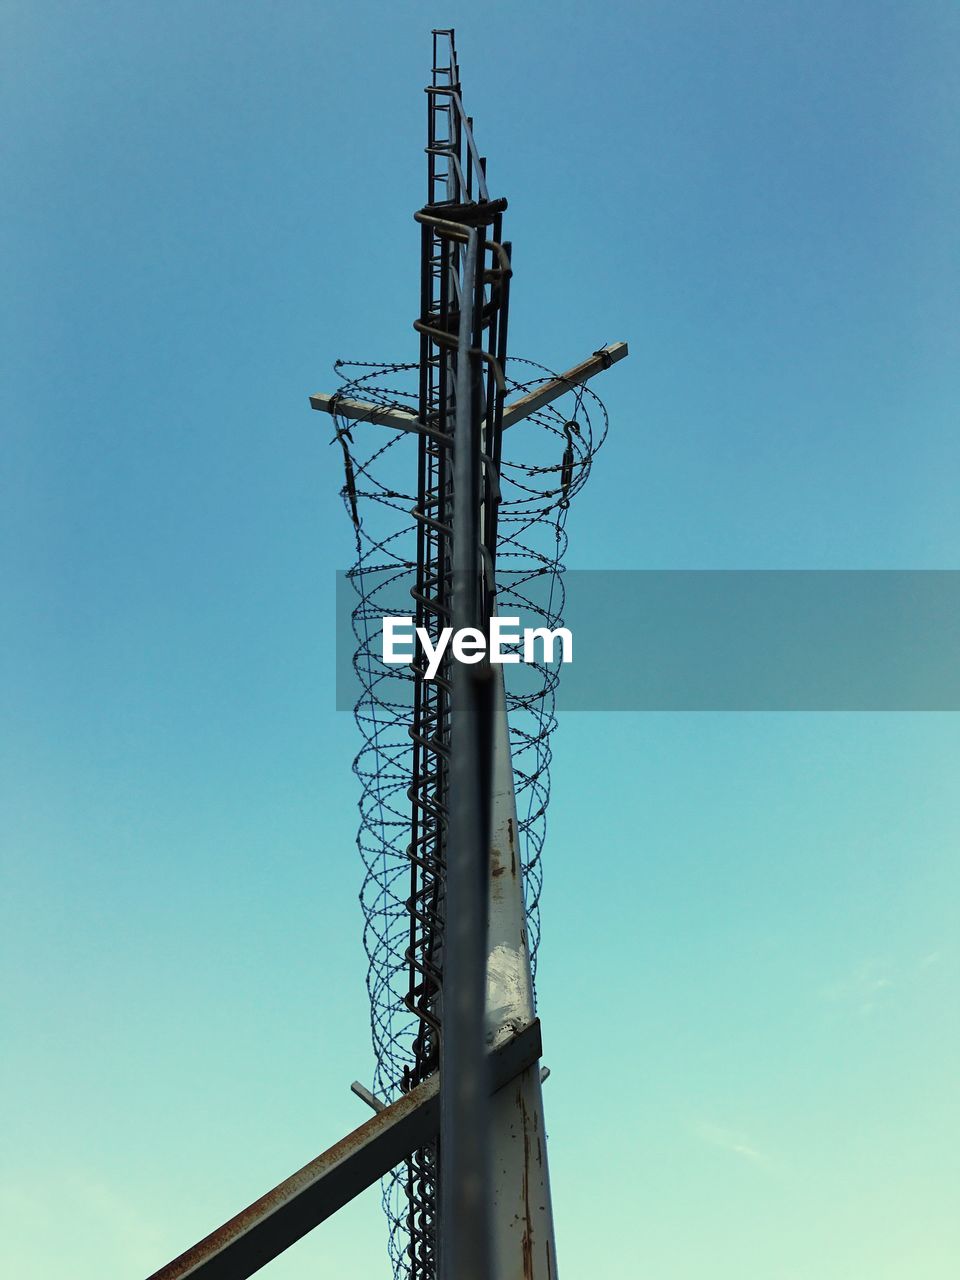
x=404 y=420
x=263 y=1230
x=552 y=390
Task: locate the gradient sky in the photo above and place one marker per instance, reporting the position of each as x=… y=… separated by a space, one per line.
x=750 y=959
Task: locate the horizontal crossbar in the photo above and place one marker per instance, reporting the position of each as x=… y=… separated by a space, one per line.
x=279 y=1219
x=515 y=411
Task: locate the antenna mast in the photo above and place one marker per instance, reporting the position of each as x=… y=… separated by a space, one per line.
x=452 y=869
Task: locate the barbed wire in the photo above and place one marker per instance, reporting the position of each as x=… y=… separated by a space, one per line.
x=546 y=460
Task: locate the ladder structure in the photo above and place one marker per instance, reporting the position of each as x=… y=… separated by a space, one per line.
x=466 y=1125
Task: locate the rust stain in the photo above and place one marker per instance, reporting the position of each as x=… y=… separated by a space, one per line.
x=496 y=871
x=255 y=1214
x=511 y=839
x=526 y=1242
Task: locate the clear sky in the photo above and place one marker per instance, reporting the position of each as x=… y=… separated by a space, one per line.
x=750 y=957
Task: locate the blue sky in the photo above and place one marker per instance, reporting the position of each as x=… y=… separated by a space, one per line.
x=749 y=966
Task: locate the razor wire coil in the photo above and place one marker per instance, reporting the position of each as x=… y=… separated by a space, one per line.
x=546 y=460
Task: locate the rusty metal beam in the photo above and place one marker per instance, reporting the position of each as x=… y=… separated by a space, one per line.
x=513 y=412
x=301 y=1202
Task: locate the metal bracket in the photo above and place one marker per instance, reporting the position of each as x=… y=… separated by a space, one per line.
x=364 y=1094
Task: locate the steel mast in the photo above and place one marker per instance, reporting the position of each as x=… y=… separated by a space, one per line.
x=469 y=1124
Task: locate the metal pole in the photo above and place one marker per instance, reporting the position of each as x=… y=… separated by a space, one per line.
x=464 y=1085
x=524 y=1247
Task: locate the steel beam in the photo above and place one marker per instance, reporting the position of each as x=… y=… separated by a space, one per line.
x=554 y=389
x=464 y=1090
x=523 y=1242
x=279 y=1219
x=515 y=411
x=403 y=419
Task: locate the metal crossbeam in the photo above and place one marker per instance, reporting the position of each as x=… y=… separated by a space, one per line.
x=383 y=415
x=552 y=390
x=280 y=1218
x=514 y=411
